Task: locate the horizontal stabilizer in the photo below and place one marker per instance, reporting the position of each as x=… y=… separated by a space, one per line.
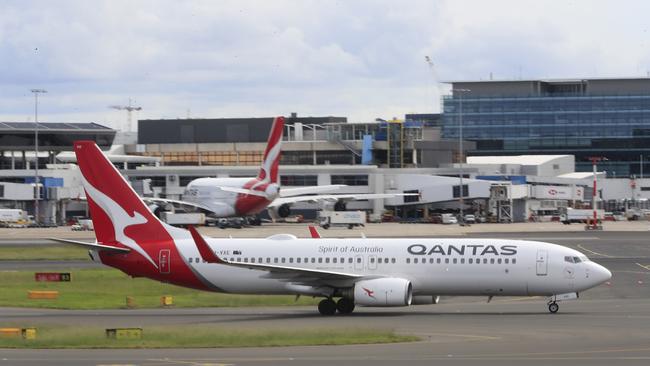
x=96 y=246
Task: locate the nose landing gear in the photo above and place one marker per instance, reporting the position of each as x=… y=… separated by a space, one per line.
x=553 y=307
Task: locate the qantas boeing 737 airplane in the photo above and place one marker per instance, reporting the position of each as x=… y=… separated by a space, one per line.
x=357 y=271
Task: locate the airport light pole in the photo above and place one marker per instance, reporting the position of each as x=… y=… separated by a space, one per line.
x=594 y=161
x=460 y=151
x=640 y=166
x=37 y=192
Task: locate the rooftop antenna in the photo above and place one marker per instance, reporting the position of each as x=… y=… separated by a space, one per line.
x=129 y=109
x=435 y=86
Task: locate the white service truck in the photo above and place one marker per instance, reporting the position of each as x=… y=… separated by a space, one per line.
x=327 y=219
x=183 y=218
x=10 y=217
x=573 y=215
x=447 y=218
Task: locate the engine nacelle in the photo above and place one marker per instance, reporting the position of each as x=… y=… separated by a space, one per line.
x=425 y=300
x=284 y=210
x=383 y=292
x=340 y=205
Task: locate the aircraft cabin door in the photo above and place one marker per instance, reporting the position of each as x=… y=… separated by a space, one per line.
x=542 y=262
x=163 y=261
x=372 y=262
x=358 y=263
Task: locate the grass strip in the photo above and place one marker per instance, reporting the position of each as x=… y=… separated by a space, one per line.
x=202 y=336
x=42 y=252
x=108 y=289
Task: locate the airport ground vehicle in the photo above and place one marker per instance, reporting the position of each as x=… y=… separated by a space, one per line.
x=327 y=219
x=13 y=217
x=183 y=218
x=447 y=218
x=581 y=216
x=83 y=225
x=469 y=219
x=378 y=272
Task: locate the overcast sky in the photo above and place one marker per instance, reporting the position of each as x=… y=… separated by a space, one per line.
x=358 y=59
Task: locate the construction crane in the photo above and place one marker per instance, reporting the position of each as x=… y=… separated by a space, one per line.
x=129 y=109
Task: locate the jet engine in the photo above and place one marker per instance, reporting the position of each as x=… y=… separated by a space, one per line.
x=425 y=300
x=340 y=206
x=282 y=211
x=383 y=292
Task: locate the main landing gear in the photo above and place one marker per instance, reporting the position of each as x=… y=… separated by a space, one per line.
x=328 y=307
x=553 y=307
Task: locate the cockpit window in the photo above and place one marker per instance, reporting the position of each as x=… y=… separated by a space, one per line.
x=572 y=259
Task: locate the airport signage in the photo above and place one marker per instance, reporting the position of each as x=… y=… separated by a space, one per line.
x=52 y=277
x=558 y=192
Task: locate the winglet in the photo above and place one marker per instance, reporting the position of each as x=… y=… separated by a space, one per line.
x=204 y=249
x=314 y=233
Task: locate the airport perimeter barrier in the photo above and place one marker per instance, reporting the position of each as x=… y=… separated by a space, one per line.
x=166 y=300
x=42 y=295
x=25 y=333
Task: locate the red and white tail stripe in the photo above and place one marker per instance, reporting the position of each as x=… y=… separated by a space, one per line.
x=119 y=215
x=269 y=170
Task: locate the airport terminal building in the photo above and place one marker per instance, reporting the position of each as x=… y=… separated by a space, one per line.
x=508 y=124
x=583 y=117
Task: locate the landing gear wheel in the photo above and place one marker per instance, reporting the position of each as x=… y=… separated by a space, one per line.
x=553 y=307
x=327 y=307
x=345 y=305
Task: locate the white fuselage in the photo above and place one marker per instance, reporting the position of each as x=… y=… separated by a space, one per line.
x=434 y=266
x=206 y=191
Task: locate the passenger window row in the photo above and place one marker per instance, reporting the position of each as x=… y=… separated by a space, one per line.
x=304 y=260
x=461 y=260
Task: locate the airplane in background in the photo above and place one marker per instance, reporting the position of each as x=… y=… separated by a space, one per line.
x=247 y=197
x=365 y=272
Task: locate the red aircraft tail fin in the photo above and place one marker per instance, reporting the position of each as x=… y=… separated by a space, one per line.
x=269 y=169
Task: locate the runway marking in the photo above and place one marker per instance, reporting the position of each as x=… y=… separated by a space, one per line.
x=549 y=354
x=632 y=272
x=595 y=253
x=474 y=336
x=646 y=267
x=194 y=363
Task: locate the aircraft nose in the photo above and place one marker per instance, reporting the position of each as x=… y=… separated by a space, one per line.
x=601 y=274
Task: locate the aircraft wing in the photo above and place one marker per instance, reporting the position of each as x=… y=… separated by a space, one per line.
x=301 y=276
x=290 y=192
x=243 y=190
x=335 y=197
x=95 y=245
x=150 y=200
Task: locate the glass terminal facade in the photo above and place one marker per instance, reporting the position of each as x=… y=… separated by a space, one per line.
x=537 y=117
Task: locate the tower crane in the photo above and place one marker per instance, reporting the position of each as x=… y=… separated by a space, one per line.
x=129 y=109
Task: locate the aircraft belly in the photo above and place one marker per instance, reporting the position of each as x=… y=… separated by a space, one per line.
x=456 y=281
x=243 y=281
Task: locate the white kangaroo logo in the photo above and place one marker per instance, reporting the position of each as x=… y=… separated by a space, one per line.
x=266 y=165
x=120 y=218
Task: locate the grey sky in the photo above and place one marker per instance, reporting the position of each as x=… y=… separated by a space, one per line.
x=360 y=59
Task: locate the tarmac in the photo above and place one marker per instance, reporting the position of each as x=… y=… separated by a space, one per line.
x=607 y=325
